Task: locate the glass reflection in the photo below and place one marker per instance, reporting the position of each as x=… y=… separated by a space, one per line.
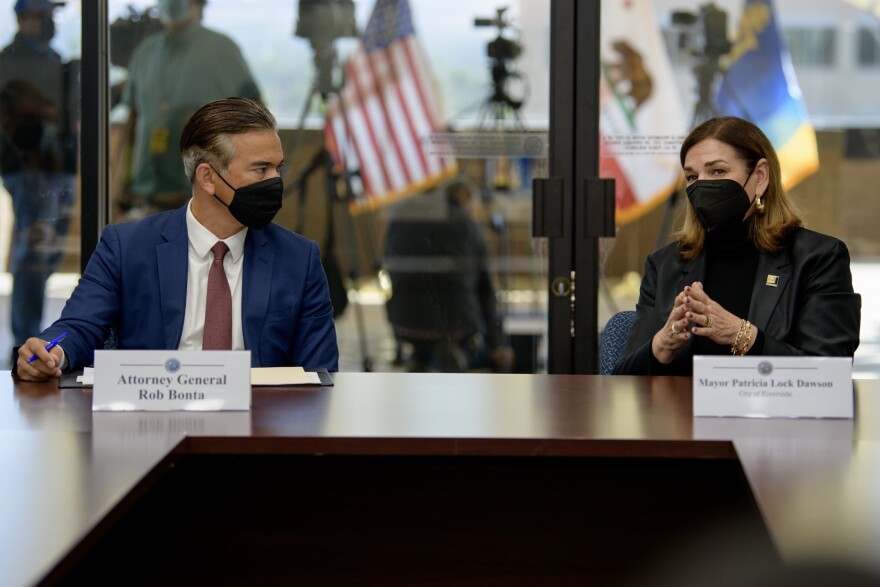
x=39 y=118
x=436 y=256
x=357 y=107
x=171 y=74
x=827 y=131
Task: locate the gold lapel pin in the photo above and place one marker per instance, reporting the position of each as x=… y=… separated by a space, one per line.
x=773 y=280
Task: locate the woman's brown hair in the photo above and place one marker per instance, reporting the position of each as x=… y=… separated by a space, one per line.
x=767 y=229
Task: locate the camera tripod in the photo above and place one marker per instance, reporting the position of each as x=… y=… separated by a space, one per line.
x=499 y=107
x=706 y=71
x=499 y=112
x=322 y=160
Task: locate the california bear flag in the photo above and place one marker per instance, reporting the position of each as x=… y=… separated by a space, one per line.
x=641 y=115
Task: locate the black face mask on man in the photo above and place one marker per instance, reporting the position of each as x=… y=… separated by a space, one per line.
x=47 y=28
x=255 y=205
x=718 y=203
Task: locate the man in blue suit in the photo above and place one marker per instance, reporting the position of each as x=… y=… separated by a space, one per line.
x=146 y=285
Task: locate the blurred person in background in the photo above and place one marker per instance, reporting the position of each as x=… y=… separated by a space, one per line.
x=443 y=303
x=171 y=75
x=38 y=97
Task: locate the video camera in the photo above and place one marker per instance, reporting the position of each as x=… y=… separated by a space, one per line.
x=126 y=33
x=500 y=48
x=322 y=22
x=508 y=84
x=704 y=36
x=703 y=33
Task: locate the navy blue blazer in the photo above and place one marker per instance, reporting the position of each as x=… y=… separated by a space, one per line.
x=135 y=283
x=802 y=301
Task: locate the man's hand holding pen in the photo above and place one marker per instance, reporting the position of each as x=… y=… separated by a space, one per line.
x=39 y=360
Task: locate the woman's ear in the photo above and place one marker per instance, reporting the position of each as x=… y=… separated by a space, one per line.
x=762 y=177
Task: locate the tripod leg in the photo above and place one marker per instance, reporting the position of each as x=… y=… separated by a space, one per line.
x=307 y=106
x=354 y=274
x=362 y=331
x=360 y=324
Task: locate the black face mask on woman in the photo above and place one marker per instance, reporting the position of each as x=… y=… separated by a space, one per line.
x=255 y=205
x=718 y=203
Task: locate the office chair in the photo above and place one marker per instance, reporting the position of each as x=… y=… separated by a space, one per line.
x=613 y=338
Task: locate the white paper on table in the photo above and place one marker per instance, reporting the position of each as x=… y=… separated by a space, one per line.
x=88 y=376
x=283 y=376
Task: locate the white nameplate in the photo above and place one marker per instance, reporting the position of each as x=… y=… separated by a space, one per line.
x=773 y=387
x=172 y=380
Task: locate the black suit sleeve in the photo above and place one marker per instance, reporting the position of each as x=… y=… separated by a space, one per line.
x=637 y=357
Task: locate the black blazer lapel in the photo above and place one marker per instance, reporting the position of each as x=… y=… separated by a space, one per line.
x=772 y=278
x=691 y=271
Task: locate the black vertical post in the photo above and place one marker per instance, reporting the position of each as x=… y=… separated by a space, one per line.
x=560 y=328
x=586 y=166
x=573 y=208
x=94 y=135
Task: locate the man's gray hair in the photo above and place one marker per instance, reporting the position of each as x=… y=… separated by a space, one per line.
x=206 y=138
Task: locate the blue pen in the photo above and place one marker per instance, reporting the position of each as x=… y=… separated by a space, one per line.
x=52 y=344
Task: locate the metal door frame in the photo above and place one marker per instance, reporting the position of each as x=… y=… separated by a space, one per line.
x=574 y=197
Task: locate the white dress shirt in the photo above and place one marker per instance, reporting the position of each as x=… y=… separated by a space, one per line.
x=200 y=259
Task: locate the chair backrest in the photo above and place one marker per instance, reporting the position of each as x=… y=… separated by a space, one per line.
x=613 y=339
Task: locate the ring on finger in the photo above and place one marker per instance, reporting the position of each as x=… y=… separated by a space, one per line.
x=708 y=322
x=673 y=330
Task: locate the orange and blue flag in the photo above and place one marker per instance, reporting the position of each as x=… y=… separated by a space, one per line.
x=760 y=85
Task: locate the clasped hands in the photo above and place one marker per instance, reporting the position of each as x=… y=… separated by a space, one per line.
x=694 y=314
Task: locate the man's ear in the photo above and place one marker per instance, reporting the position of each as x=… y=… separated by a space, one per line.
x=204 y=178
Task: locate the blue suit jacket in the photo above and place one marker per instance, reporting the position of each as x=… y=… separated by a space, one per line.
x=135 y=283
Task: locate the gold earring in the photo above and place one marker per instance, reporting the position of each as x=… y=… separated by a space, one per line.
x=759 y=204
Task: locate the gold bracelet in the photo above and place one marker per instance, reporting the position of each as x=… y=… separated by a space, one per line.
x=735 y=345
x=745 y=346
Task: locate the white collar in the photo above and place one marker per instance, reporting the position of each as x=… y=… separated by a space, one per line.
x=202 y=240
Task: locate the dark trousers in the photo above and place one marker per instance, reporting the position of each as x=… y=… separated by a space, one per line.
x=42 y=204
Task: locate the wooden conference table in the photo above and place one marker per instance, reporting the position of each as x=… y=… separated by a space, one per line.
x=398 y=479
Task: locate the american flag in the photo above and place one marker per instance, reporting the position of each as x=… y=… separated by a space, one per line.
x=387 y=107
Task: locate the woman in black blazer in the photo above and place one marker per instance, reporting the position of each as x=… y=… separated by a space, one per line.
x=744 y=277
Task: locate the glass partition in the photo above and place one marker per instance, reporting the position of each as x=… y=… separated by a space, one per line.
x=826 y=61
x=39 y=181
x=412 y=132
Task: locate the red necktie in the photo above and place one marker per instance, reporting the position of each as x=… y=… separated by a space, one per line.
x=218 y=304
